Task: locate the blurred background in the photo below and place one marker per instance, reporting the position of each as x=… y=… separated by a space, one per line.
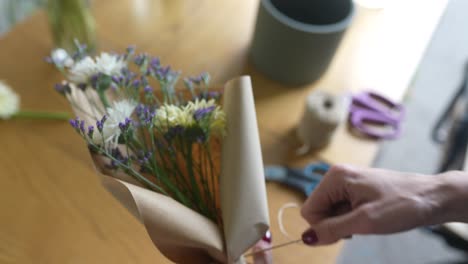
x=13 y=11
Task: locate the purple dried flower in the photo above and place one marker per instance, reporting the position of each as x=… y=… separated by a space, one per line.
x=163 y=73
x=94 y=80
x=214 y=94
x=148 y=89
x=128 y=77
x=100 y=124
x=122 y=127
x=197 y=80
x=75 y=123
x=124 y=72
x=145 y=114
x=82 y=126
x=90 y=131
x=148 y=155
x=63 y=89
x=140 y=59
x=155 y=63
x=120 y=159
x=82 y=86
x=103 y=119
x=131 y=49
x=200 y=113
x=116 y=79
x=139 y=109
x=149 y=118
x=143 y=157
x=136 y=83
x=128 y=121
x=125 y=125
x=166 y=71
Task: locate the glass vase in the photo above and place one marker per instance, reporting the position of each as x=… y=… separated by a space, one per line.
x=70 y=20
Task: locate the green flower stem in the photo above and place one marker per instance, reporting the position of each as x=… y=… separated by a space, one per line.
x=210 y=160
x=180 y=178
x=166 y=182
x=203 y=170
x=42 y=115
x=204 y=179
x=103 y=98
x=210 y=177
x=136 y=175
x=183 y=178
x=189 y=160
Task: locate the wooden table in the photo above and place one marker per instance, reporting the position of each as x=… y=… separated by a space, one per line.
x=54 y=210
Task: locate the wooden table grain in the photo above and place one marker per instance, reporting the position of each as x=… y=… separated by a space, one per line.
x=52 y=207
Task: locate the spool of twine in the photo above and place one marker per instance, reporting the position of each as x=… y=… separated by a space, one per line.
x=323 y=112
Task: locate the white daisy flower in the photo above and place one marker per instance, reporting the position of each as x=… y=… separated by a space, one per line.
x=9 y=101
x=110 y=64
x=82 y=71
x=116 y=114
x=105 y=63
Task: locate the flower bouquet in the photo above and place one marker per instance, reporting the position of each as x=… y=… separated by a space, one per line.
x=187 y=163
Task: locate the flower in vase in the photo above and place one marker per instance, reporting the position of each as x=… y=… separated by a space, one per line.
x=110 y=126
x=9 y=101
x=110 y=64
x=83 y=70
x=61 y=58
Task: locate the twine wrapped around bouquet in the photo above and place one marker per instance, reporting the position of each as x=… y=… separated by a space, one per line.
x=180 y=233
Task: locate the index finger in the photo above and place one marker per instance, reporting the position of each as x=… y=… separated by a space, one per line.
x=328 y=193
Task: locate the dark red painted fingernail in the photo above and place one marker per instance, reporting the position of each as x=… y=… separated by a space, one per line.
x=267 y=237
x=309 y=237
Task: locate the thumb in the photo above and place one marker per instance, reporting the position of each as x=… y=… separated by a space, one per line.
x=332 y=229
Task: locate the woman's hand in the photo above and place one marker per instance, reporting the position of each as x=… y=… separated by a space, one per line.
x=374 y=201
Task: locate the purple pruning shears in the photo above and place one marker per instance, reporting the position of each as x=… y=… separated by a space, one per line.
x=375 y=116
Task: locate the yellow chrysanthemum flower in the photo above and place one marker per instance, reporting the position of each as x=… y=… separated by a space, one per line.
x=171 y=115
x=168 y=116
x=217 y=118
x=218 y=122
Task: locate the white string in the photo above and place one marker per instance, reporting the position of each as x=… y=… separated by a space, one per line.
x=282 y=229
x=280 y=219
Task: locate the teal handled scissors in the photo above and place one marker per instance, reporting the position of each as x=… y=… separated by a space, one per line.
x=303 y=179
